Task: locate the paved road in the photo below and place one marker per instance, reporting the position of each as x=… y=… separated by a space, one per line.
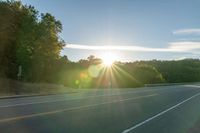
x=166 y=109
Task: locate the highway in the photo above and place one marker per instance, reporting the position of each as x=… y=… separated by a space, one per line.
x=161 y=109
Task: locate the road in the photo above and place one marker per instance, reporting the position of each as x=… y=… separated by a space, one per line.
x=164 y=109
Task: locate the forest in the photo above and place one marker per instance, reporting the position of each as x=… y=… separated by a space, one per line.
x=30 y=48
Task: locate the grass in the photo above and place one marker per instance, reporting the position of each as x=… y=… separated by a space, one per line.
x=10 y=87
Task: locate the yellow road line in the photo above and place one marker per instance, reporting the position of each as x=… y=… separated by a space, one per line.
x=70 y=109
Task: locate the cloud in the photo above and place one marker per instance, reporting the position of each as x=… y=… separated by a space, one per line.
x=193 y=31
x=116 y=47
x=181 y=46
x=184 y=46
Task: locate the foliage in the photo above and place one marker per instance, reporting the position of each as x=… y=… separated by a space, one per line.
x=30 y=40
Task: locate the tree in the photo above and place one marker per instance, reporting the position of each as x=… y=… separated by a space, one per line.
x=28 y=42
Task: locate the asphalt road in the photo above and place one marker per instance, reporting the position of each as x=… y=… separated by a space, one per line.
x=166 y=109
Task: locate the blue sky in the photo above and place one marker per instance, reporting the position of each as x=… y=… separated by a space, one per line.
x=162 y=29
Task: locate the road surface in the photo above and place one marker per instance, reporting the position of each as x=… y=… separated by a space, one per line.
x=164 y=109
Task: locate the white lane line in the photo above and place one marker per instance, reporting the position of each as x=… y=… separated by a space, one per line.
x=60 y=100
x=159 y=114
x=195 y=86
x=73 y=108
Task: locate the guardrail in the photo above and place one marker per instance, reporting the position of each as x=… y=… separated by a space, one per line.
x=170 y=84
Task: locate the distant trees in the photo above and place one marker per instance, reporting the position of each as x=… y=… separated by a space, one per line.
x=146 y=74
x=138 y=74
x=134 y=74
x=91 y=73
x=187 y=70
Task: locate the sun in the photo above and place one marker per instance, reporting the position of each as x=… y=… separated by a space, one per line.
x=108 y=62
x=108 y=59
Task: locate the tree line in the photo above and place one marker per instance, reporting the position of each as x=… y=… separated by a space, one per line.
x=30 y=48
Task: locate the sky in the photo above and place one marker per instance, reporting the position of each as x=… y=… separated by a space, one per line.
x=131 y=29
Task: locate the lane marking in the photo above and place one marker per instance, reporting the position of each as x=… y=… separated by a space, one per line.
x=70 y=109
x=195 y=86
x=159 y=114
x=60 y=100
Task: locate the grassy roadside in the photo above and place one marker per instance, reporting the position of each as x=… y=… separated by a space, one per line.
x=13 y=88
x=10 y=87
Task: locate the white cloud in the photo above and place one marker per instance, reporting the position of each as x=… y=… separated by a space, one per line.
x=181 y=46
x=193 y=31
x=184 y=46
x=116 y=47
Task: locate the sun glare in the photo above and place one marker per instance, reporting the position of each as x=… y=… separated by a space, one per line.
x=108 y=59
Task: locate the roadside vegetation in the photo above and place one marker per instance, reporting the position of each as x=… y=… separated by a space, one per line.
x=30 y=48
